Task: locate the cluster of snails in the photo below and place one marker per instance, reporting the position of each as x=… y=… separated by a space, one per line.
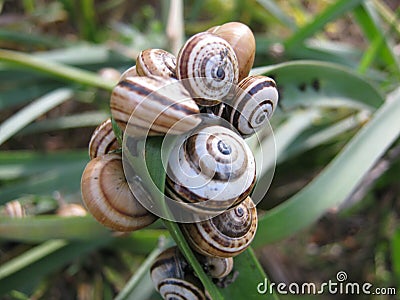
x=166 y=95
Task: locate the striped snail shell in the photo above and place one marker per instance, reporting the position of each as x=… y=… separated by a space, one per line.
x=208 y=68
x=157 y=105
x=242 y=40
x=212 y=169
x=156 y=62
x=225 y=235
x=106 y=195
x=14 y=209
x=253 y=104
x=172 y=277
x=131 y=72
x=103 y=140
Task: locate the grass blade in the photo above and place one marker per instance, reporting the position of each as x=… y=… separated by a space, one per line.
x=340 y=177
x=34 y=110
x=61 y=71
x=337 y=9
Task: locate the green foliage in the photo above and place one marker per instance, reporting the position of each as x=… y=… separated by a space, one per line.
x=331 y=94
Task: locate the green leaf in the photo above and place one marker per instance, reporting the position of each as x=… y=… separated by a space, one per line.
x=61 y=71
x=42 y=228
x=305 y=83
x=337 y=9
x=336 y=182
x=396 y=255
x=273 y=8
x=41 y=261
x=249 y=276
x=34 y=110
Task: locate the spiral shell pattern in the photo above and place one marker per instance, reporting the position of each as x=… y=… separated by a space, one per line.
x=255 y=101
x=242 y=40
x=216 y=267
x=208 y=68
x=225 y=235
x=156 y=62
x=103 y=140
x=172 y=277
x=154 y=106
x=213 y=169
x=106 y=195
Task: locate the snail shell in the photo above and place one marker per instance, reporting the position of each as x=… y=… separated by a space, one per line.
x=208 y=68
x=216 y=267
x=106 y=195
x=14 y=209
x=242 y=40
x=172 y=277
x=213 y=164
x=182 y=289
x=131 y=72
x=156 y=62
x=255 y=100
x=157 y=105
x=103 y=140
x=225 y=235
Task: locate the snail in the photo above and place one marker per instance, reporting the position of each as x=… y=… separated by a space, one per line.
x=14 y=209
x=173 y=278
x=103 y=140
x=106 y=195
x=212 y=169
x=242 y=40
x=225 y=235
x=208 y=68
x=156 y=62
x=131 y=72
x=216 y=267
x=254 y=102
x=157 y=105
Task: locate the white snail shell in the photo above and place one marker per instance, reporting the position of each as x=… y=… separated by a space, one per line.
x=156 y=62
x=208 y=68
x=225 y=235
x=253 y=104
x=106 y=195
x=157 y=105
x=242 y=40
x=103 y=140
x=213 y=164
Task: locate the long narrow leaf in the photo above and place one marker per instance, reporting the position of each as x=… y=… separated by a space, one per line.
x=34 y=110
x=338 y=179
x=337 y=9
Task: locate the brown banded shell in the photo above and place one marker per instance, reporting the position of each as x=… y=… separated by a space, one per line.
x=103 y=140
x=106 y=195
x=208 y=68
x=225 y=235
x=153 y=106
x=253 y=104
x=242 y=40
x=156 y=62
x=172 y=277
x=213 y=169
